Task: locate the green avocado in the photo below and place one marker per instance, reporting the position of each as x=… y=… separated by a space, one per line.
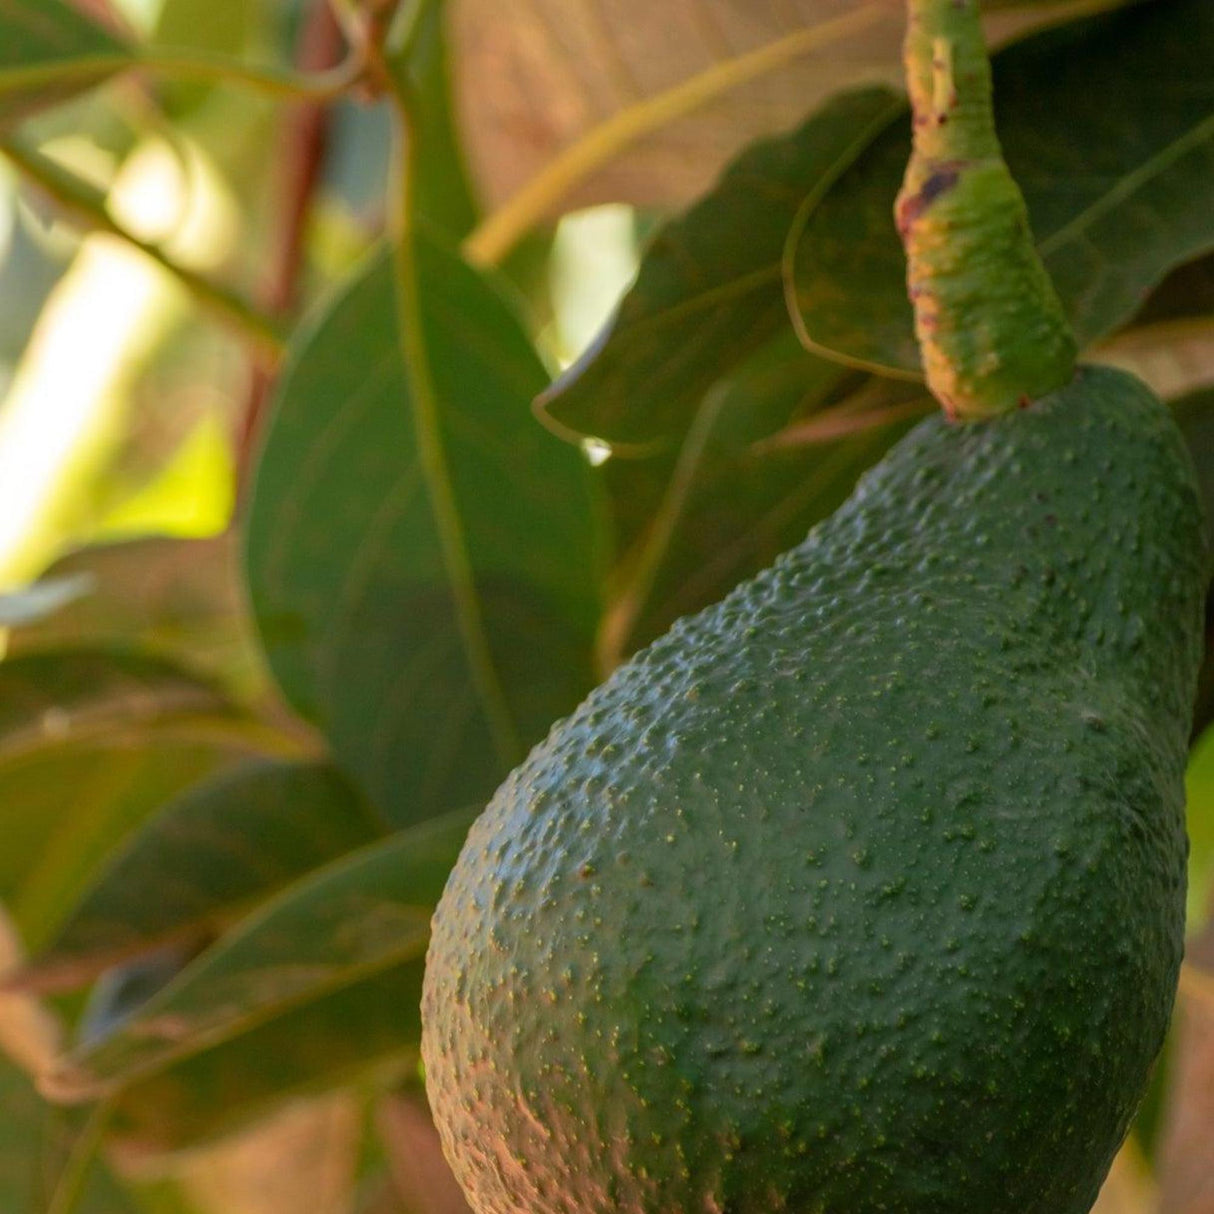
x=862 y=890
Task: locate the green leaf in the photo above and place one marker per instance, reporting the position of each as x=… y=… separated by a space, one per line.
x=48 y=52
x=363 y=915
x=204 y=859
x=1114 y=152
x=444 y=193
x=36 y=1143
x=709 y=291
x=178 y=599
x=1199 y=791
x=53 y=698
x=365 y=1033
x=90 y=743
x=345 y=561
x=728 y=504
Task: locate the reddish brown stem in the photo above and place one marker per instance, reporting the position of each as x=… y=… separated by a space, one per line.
x=303 y=142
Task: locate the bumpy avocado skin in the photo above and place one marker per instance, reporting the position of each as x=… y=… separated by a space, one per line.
x=863 y=890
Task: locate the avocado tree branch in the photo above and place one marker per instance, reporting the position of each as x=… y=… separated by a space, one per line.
x=186 y=65
x=990 y=325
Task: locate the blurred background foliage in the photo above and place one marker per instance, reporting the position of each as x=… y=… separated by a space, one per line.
x=290 y=574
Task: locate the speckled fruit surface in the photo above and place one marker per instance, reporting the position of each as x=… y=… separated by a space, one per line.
x=863 y=890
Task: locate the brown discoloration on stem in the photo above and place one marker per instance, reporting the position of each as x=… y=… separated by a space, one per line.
x=990 y=325
x=911 y=206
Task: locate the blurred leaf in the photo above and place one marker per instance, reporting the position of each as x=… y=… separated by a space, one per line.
x=90 y=744
x=1128 y=1188
x=532 y=80
x=45 y=1153
x=303 y=1158
x=121 y=990
x=709 y=291
x=190 y=495
x=205 y=858
x=35 y=1147
x=1195 y=416
x=1119 y=192
x=367 y=1031
x=1199 y=790
x=48 y=699
x=699 y=523
x=228 y=27
x=1174 y=357
x=345 y=554
x=1186 y=292
x=1186 y=1164
x=420 y=1174
x=43 y=599
x=37 y=37
x=362 y=915
x=175 y=598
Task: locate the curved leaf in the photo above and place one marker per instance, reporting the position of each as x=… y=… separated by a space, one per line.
x=367 y=1032
x=364 y=915
x=709 y=291
x=91 y=742
x=534 y=79
x=344 y=553
x=209 y=854
x=176 y=598
x=35 y=1145
x=728 y=504
x=1117 y=179
x=39 y=37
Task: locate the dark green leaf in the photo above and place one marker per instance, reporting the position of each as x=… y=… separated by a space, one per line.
x=90 y=744
x=205 y=858
x=70 y=695
x=709 y=291
x=367 y=1032
x=35 y=1145
x=346 y=561
x=1188 y=291
x=39 y=38
x=64 y=810
x=177 y=598
x=726 y=506
x=1108 y=125
x=363 y=915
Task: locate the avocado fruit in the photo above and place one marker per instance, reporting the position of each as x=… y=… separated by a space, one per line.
x=862 y=890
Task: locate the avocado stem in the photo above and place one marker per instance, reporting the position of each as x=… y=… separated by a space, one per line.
x=991 y=328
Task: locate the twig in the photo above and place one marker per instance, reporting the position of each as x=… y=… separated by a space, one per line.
x=182 y=65
x=84 y=207
x=303 y=141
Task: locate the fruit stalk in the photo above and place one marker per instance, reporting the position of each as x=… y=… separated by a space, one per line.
x=991 y=327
